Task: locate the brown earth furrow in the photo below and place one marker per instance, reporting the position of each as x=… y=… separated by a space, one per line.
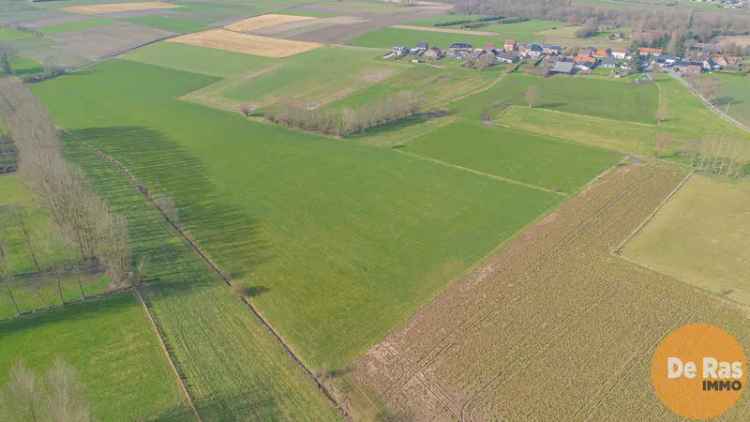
x=552 y=326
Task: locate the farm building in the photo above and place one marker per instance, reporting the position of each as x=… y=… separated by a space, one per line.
x=510 y=45
x=563 y=67
x=608 y=63
x=647 y=51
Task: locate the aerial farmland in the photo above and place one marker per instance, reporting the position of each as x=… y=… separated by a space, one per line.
x=366 y=210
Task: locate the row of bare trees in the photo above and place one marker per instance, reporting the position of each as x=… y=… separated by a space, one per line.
x=58 y=396
x=348 y=121
x=86 y=222
x=679 y=24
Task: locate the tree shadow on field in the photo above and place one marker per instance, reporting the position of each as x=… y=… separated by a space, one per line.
x=256 y=405
x=726 y=100
x=231 y=236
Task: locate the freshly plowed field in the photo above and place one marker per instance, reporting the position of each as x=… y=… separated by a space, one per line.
x=100 y=9
x=553 y=327
x=244 y=43
x=265 y=21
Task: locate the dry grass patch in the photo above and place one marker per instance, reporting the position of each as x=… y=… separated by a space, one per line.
x=247 y=44
x=100 y=9
x=702 y=237
x=265 y=21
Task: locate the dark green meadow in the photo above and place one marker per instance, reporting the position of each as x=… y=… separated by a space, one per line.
x=610 y=99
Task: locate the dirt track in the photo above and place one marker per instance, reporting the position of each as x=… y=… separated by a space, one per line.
x=553 y=327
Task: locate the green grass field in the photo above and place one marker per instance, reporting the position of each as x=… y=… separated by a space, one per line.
x=10 y=34
x=388 y=37
x=558 y=165
x=292 y=78
x=113 y=349
x=520 y=31
x=437 y=86
x=233 y=368
x=76 y=25
x=43 y=234
x=342 y=237
x=24 y=66
x=735 y=96
x=617 y=100
x=207 y=61
x=168 y=23
x=713 y=256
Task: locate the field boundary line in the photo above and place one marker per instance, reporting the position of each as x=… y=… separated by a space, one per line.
x=710 y=105
x=91 y=298
x=481 y=173
x=589 y=116
x=163 y=344
x=228 y=281
x=617 y=251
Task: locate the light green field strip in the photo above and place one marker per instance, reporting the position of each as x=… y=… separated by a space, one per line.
x=111 y=346
x=711 y=256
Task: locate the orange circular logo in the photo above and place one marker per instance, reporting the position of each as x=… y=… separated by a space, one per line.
x=699 y=371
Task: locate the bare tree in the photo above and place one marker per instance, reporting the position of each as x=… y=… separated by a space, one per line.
x=6 y=276
x=65 y=396
x=19 y=217
x=532 y=96
x=58 y=397
x=20 y=398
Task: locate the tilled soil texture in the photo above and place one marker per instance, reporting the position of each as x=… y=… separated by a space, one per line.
x=265 y=21
x=553 y=327
x=244 y=43
x=101 y=9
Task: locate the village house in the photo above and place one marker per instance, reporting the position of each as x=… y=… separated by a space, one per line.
x=510 y=46
x=608 y=63
x=619 y=54
x=506 y=57
x=601 y=53
x=433 y=53
x=534 y=51
x=647 y=51
x=552 y=50
x=563 y=67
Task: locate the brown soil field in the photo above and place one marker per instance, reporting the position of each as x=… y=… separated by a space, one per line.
x=100 y=9
x=551 y=327
x=446 y=30
x=244 y=43
x=265 y=21
x=288 y=30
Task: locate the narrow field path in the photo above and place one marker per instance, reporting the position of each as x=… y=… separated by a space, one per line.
x=480 y=173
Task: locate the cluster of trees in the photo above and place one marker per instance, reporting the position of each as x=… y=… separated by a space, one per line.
x=85 y=221
x=680 y=24
x=707 y=86
x=347 y=121
x=58 y=396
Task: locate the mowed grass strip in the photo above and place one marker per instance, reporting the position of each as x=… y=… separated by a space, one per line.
x=194 y=59
x=735 y=95
x=550 y=163
x=114 y=350
x=617 y=100
x=340 y=237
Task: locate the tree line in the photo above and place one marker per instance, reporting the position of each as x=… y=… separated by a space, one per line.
x=86 y=222
x=347 y=121
x=650 y=26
